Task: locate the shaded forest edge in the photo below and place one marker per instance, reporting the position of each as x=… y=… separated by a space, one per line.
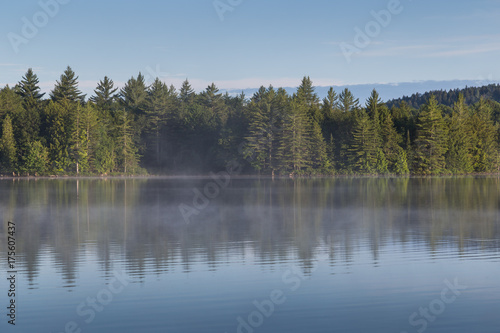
x=156 y=129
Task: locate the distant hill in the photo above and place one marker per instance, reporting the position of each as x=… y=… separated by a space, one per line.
x=448 y=98
x=391 y=92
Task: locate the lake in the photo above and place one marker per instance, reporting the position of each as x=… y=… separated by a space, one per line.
x=252 y=255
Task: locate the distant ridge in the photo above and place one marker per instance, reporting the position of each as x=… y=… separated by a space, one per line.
x=471 y=94
x=389 y=92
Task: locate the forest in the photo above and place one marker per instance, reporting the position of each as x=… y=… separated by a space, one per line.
x=156 y=129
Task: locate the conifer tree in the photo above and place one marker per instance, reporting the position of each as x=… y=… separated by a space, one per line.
x=431 y=141
x=364 y=153
x=105 y=94
x=401 y=165
x=294 y=154
x=186 y=93
x=347 y=102
x=263 y=134
x=58 y=135
x=29 y=89
x=66 y=88
x=159 y=105
x=391 y=140
x=459 y=154
x=126 y=149
x=484 y=139
x=306 y=96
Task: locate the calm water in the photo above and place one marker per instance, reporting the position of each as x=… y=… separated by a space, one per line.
x=326 y=255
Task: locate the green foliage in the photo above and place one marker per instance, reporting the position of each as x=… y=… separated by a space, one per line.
x=401 y=164
x=8 y=157
x=347 y=102
x=431 y=142
x=37 y=159
x=29 y=89
x=169 y=131
x=67 y=88
x=105 y=94
x=363 y=148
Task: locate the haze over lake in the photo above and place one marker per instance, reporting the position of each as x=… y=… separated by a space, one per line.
x=303 y=255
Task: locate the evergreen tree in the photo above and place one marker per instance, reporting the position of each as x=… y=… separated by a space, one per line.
x=105 y=94
x=459 y=154
x=58 y=135
x=263 y=134
x=373 y=108
x=484 y=139
x=391 y=140
x=160 y=102
x=126 y=149
x=305 y=95
x=294 y=143
x=67 y=88
x=401 y=165
x=347 y=102
x=133 y=95
x=431 y=141
x=186 y=93
x=364 y=153
x=29 y=90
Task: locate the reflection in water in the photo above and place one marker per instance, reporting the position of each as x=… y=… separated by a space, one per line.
x=137 y=222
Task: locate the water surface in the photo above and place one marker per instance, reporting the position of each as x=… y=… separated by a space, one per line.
x=307 y=255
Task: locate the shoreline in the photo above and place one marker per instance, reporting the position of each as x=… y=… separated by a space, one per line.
x=241 y=177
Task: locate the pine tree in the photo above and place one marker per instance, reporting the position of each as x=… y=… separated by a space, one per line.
x=262 y=138
x=126 y=149
x=67 y=88
x=186 y=93
x=391 y=140
x=159 y=104
x=8 y=146
x=347 y=102
x=58 y=134
x=105 y=94
x=29 y=90
x=330 y=103
x=373 y=108
x=459 y=155
x=293 y=152
x=362 y=149
x=431 y=141
x=401 y=165
x=484 y=139
x=306 y=96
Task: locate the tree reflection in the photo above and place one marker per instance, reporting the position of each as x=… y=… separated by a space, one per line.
x=264 y=222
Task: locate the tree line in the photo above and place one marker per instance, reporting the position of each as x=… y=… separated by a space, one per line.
x=157 y=129
x=448 y=98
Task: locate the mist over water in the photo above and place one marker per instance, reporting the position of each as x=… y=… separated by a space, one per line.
x=346 y=255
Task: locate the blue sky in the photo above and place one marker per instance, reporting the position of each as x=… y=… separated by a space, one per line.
x=258 y=42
